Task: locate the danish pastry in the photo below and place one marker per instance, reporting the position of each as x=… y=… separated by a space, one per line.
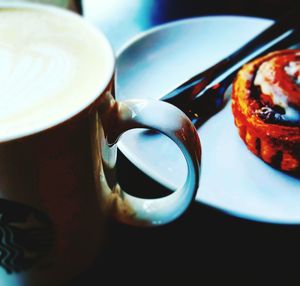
x=266 y=108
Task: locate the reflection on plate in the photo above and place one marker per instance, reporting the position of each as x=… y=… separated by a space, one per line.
x=232 y=179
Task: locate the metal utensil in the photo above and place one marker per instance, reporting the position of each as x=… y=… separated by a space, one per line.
x=203 y=95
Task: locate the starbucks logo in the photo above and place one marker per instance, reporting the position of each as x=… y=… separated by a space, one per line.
x=26 y=236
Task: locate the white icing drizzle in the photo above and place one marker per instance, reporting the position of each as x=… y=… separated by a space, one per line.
x=293 y=70
x=265 y=80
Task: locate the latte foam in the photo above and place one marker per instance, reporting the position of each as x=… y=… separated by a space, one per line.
x=52 y=65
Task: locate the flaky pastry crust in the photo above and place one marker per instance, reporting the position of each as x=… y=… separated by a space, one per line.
x=277 y=142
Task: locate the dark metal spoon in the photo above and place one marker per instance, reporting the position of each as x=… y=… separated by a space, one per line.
x=203 y=95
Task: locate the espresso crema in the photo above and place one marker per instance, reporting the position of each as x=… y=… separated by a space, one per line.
x=52 y=65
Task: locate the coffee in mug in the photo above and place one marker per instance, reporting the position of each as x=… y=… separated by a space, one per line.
x=48 y=70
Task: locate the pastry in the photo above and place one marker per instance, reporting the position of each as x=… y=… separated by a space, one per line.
x=266 y=108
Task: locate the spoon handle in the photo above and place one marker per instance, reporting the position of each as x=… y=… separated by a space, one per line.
x=279 y=28
x=214 y=97
x=192 y=87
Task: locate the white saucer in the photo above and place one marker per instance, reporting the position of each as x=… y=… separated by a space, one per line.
x=232 y=179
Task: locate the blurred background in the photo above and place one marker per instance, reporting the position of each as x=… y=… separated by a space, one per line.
x=122 y=19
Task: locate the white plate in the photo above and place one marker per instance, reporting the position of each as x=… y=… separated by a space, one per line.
x=232 y=179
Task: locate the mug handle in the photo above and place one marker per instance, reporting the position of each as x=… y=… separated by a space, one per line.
x=172 y=122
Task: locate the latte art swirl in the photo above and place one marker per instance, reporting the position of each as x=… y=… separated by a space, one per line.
x=41 y=70
x=47 y=70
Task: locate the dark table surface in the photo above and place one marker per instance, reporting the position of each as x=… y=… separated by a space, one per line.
x=203 y=239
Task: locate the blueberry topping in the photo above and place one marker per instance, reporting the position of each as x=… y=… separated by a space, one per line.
x=275 y=115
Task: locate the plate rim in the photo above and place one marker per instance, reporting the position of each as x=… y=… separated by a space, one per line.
x=174 y=23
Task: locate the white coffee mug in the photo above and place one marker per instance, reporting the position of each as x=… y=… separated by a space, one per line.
x=58 y=148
